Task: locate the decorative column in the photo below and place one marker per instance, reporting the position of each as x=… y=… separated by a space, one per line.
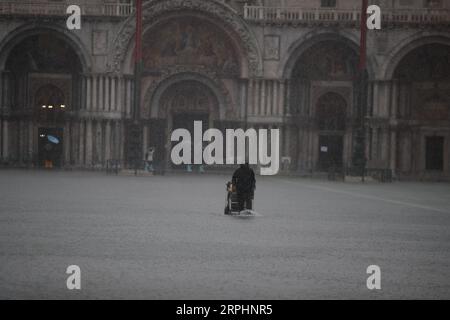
x=107 y=102
x=82 y=100
x=94 y=93
x=275 y=99
x=243 y=91
x=376 y=99
x=145 y=140
x=5 y=138
x=128 y=97
x=250 y=97
x=393 y=151
x=281 y=99
x=256 y=102
x=121 y=141
x=288 y=108
x=395 y=97
x=262 y=107
x=81 y=150
x=88 y=93
x=31 y=137
x=120 y=90
x=107 y=140
x=101 y=104
x=89 y=143
x=67 y=134
x=113 y=94
x=1 y=89
x=21 y=148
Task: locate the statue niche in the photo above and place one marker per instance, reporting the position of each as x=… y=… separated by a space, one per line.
x=189 y=41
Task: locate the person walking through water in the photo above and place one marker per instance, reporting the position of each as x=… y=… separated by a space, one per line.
x=149 y=159
x=245 y=182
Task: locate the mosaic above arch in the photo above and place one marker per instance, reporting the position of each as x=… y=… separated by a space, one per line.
x=189 y=41
x=327 y=60
x=220 y=12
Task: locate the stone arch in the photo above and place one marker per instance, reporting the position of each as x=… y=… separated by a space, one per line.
x=188 y=97
x=153 y=96
x=21 y=33
x=299 y=47
x=406 y=46
x=220 y=13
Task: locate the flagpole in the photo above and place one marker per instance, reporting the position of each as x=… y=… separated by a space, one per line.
x=363 y=84
x=363 y=38
x=135 y=132
x=138 y=62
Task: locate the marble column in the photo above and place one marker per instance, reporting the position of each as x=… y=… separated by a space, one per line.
x=393 y=151
x=385 y=143
x=263 y=106
x=120 y=90
x=101 y=101
x=243 y=100
x=5 y=138
x=395 y=97
x=121 y=132
x=89 y=143
x=256 y=102
x=82 y=100
x=145 y=140
x=20 y=135
x=376 y=109
x=274 y=110
x=107 y=140
x=88 y=93
x=288 y=98
x=113 y=94
x=281 y=99
x=31 y=139
x=67 y=134
x=250 y=97
x=94 y=93
x=2 y=82
x=82 y=148
x=105 y=94
x=128 y=97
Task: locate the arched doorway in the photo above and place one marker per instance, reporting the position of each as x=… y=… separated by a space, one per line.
x=321 y=96
x=44 y=72
x=193 y=64
x=331 y=118
x=49 y=112
x=180 y=105
x=423 y=112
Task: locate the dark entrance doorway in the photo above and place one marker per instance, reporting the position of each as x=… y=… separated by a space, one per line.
x=50 y=147
x=331 y=121
x=331 y=152
x=157 y=139
x=435 y=153
x=186 y=121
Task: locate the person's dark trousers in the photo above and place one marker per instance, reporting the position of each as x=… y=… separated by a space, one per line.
x=245 y=201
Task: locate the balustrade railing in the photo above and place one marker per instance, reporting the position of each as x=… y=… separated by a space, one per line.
x=295 y=14
x=59 y=9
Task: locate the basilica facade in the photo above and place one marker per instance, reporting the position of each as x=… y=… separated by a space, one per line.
x=280 y=64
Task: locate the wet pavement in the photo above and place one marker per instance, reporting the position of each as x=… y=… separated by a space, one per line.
x=167 y=238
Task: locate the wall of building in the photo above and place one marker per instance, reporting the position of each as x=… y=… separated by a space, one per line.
x=263 y=93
